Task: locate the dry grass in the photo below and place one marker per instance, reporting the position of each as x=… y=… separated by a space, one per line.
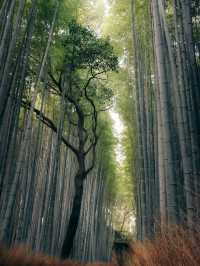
x=177 y=248
x=23 y=256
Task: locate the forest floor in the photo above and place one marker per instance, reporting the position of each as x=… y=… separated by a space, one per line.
x=177 y=248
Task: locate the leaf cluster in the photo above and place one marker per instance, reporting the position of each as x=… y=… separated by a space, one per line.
x=85 y=50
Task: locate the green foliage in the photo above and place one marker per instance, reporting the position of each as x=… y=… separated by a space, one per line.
x=86 y=59
x=85 y=50
x=91 y=14
x=120 y=31
x=75 y=49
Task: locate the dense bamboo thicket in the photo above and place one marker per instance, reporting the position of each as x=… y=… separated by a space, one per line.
x=158 y=45
x=166 y=59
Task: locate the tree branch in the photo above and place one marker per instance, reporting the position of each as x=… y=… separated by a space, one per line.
x=48 y=122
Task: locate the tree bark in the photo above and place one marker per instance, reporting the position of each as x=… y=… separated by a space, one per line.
x=74 y=218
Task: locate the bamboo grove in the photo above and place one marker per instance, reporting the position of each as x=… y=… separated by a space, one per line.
x=64 y=64
x=158 y=86
x=166 y=63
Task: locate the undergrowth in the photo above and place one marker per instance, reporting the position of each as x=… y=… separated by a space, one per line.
x=177 y=248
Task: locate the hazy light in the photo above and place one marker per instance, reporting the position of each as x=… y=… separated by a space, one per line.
x=118 y=130
x=107 y=7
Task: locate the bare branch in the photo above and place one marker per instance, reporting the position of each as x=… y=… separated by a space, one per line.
x=48 y=122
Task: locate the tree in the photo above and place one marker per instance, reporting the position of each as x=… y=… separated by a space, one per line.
x=82 y=93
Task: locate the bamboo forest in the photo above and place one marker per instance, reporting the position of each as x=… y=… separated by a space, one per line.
x=99 y=132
